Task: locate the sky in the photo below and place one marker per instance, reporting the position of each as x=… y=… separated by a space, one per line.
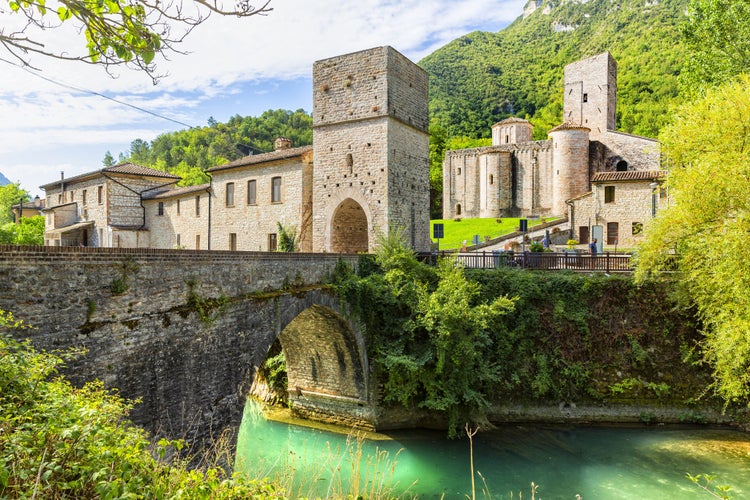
x=55 y=119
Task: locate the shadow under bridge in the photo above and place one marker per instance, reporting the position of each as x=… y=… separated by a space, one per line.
x=326 y=361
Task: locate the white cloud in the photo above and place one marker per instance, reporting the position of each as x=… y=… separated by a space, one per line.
x=224 y=52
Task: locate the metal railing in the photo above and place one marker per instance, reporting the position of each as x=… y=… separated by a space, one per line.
x=606 y=262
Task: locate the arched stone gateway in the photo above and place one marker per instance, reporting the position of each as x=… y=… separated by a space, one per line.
x=349 y=232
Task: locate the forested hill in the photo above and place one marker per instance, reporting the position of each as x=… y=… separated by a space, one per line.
x=481 y=78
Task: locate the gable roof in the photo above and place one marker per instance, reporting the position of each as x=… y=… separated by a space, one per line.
x=630 y=175
x=281 y=154
x=122 y=168
x=177 y=192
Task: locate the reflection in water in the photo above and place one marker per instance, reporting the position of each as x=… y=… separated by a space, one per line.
x=597 y=463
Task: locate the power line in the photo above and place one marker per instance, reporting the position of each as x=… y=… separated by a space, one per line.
x=92 y=92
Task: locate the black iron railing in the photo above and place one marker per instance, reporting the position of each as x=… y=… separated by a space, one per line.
x=606 y=262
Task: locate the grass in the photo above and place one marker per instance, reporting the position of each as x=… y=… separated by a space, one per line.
x=457 y=231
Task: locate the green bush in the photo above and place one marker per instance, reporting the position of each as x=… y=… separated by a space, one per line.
x=59 y=441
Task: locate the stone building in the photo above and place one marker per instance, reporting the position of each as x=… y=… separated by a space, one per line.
x=103 y=208
x=562 y=176
x=366 y=172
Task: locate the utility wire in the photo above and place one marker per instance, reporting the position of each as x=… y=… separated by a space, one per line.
x=86 y=91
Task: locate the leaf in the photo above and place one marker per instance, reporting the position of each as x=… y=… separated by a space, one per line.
x=64 y=13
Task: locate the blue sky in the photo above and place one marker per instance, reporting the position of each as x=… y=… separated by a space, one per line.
x=233 y=67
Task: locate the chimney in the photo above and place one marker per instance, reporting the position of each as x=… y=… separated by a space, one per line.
x=282 y=143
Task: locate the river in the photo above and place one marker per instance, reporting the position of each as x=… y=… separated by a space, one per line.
x=562 y=461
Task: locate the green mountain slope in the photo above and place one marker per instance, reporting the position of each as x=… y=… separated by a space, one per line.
x=481 y=78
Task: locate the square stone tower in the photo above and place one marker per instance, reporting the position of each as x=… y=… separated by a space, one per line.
x=371 y=151
x=591 y=94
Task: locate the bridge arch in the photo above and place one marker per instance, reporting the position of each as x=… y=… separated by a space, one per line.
x=326 y=360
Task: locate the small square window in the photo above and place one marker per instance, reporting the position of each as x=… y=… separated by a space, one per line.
x=609 y=194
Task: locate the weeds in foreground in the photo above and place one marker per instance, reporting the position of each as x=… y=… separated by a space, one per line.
x=704 y=482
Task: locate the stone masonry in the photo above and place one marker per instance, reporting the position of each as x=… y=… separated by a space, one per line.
x=185 y=331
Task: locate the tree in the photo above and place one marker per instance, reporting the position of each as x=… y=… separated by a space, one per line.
x=109 y=160
x=116 y=32
x=11 y=194
x=705 y=232
x=717 y=34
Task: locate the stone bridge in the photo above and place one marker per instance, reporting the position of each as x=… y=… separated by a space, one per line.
x=185 y=331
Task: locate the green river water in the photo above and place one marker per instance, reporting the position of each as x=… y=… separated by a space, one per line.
x=594 y=462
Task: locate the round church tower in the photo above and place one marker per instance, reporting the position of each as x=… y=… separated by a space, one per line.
x=570 y=164
x=512 y=131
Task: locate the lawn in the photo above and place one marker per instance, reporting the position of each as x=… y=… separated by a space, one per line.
x=455 y=232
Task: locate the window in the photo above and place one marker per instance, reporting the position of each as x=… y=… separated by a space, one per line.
x=585 y=98
x=458 y=171
x=197 y=241
x=251 y=192
x=272 y=242
x=230 y=194
x=507 y=138
x=160 y=208
x=350 y=162
x=492 y=179
x=71 y=196
x=197 y=206
x=609 y=194
x=637 y=228
x=178 y=207
x=178 y=240
x=83 y=196
x=458 y=209
x=59 y=199
x=100 y=194
x=276 y=190
x=233 y=241
x=622 y=166
x=612 y=233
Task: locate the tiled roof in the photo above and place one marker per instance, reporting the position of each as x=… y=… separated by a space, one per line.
x=568 y=126
x=132 y=168
x=122 y=168
x=510 y=120
x=280 y=154
x=171 y=193
x=630 y=175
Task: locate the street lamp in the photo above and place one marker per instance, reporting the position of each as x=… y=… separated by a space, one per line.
x=654 y=186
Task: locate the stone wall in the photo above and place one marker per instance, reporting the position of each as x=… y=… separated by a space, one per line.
x=640 y=153
x=631 y=210
x=180 y=220
x=184 y=331
x=253 y=223
x=590 y=98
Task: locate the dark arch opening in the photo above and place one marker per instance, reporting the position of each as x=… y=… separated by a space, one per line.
x=315 y=355
x=621 y=166
x=349 y=228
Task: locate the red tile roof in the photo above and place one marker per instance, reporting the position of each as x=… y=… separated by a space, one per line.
x=630 y=175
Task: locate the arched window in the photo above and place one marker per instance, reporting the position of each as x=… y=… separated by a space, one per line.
x=621 y=166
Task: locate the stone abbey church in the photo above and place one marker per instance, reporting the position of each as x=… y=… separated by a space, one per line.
x=368 y=172
x=607 y=183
